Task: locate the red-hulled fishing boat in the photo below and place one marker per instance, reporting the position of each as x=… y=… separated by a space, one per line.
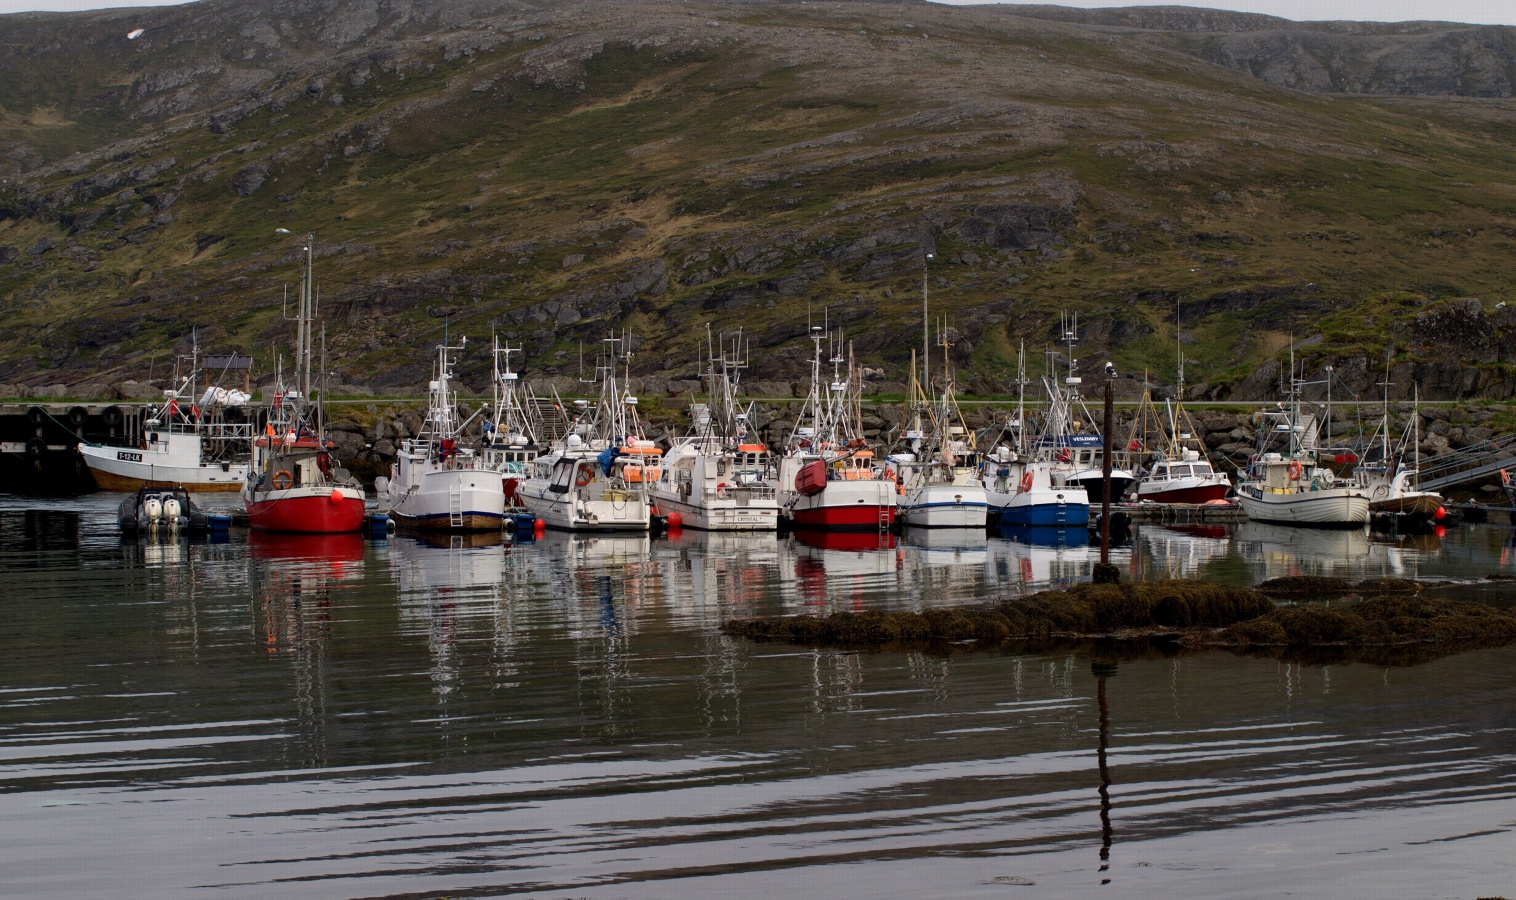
x=293 y=485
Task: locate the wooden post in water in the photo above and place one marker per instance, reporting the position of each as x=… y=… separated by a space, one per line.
x=1105 y=475
x=1105 y=573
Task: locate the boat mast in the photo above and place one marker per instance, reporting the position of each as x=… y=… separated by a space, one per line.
x=926 y=329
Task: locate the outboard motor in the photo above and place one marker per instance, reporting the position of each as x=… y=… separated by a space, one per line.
x=172 y=513
x=152 y=512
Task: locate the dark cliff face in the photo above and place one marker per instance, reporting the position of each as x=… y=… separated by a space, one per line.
x=559 y=170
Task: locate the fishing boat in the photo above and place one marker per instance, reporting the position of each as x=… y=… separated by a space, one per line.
x=1187 y=478
x=1178 y=471
x=1027 y=481
x=293 y=485
x=196 y=439
x=1387 y=471
x=826 y=478
x=509 y=444
x=436 y=483
x=938 y=471
x=716 y=478
x=1287 y=486
x=596 y=477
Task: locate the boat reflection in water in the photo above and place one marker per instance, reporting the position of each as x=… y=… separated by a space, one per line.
x=942 y=566
x=1039 y=556
x=731 y=574
x=837 y=571
x=452 y=587
x=341 y=547
x=1181 y=551
x=1288 y=551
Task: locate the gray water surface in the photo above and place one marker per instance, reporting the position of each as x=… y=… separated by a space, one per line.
x=342 y=718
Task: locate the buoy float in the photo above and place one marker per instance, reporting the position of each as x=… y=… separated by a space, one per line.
x=675 y=520
x=1440 y=514
x=336 y=496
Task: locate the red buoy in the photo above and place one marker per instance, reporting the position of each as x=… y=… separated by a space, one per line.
x=675 y=521
x=1440 y=514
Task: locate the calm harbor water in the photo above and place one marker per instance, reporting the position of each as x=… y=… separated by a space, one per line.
x=336 y=718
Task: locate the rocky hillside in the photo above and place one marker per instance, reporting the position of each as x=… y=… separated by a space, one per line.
x=555 y=171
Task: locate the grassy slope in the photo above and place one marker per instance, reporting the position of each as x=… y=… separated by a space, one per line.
x=476 y=198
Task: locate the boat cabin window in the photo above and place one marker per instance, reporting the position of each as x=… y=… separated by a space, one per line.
x=1179 y=471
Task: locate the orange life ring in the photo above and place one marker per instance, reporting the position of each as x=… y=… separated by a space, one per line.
x=585 y=476
x=282 y=479
x=1295 y=470
x=1026 y=480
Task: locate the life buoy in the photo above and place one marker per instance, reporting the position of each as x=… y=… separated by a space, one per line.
x=282 y=479
x=1026 y=480
x=1295 y=470
x=585 y=476
x=1064 y=455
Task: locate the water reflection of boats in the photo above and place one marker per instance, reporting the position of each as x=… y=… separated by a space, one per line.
x=1040 y=555
x=340 y=547
x=842 y=564
x=458 y=538
x=943 y=566
x=945 y=538
x=1179 y=551
x=845 y=540
x=1285 y=550
x=731 y=573
x=1043 y=535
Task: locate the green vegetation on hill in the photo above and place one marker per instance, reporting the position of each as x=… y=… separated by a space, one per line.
x=558 y=171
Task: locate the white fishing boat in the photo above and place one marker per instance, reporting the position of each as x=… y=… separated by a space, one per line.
x=1287 y=486
x=509 y=444
x=938 y=471
x=293 y=484
x=436 y=482
x=199 y=440
x=1178 y=470
x=717 y=477
x=596 y=478
x=827 y=479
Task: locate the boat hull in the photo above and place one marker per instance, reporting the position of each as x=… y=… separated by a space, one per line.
x=1094 y=485
x=1416 y=504
x=305 y=510
x=859 y=505
x=858 y=517
x=1330 y=508
x=480 y=508
x=114 y=473
x=1180 y=493
x=944 y=506
x=572 y=514
x=761 y=515
x=1056 y=513
x=468 y=521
